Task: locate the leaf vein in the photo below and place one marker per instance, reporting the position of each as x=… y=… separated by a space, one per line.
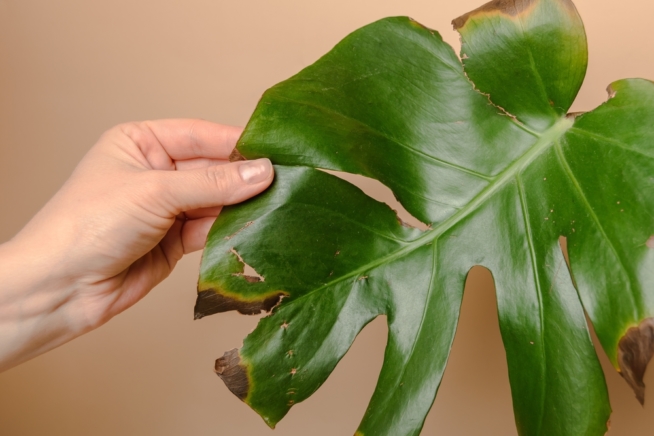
x=591 y=212
x=390 y=138
x=611 y=141
x=539 y=291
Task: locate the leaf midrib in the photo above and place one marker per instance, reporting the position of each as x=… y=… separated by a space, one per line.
x=545 y=140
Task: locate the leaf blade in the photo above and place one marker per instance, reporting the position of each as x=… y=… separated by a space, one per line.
x=497 y=193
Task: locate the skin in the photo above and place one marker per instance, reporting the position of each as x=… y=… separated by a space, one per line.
x=146 y=194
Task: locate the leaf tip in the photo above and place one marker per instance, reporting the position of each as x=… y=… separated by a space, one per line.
x=233 y=373
x=635 y=350
x=236 y=156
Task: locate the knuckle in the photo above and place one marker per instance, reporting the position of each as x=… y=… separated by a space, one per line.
x=147 y=187
x=136 y=131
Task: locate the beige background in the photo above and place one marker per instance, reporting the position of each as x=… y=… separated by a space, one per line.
x=72 y=68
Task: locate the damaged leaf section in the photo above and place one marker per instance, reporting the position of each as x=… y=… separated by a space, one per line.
x=508 y=7
x=524 y=34
x=211 y=301
x=248 y=273
x=375 y=189
x=635 y=350
x=233 y=373
x=248 y=224
x=236 y=156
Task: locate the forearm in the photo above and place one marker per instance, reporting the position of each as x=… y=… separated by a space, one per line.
x=36 y=304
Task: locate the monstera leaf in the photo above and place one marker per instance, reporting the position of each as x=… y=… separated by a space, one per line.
x=484 y=152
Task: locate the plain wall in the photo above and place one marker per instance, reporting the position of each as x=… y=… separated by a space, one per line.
x=70 y=69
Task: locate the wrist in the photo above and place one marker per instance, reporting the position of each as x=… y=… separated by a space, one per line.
x=36 y=302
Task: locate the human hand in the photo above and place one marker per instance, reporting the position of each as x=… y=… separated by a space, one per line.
x=146 y=194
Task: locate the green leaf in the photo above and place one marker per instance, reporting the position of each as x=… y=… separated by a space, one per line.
x=484 y=153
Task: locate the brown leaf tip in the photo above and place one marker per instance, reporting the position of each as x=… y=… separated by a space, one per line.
x=635 y=350
x=508 y=7
x=236 y=156
x=235 y=376
x=210 y=302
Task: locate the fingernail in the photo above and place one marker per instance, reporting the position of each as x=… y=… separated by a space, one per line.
x=255 y=171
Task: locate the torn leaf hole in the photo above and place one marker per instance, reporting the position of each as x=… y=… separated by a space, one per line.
x=380 y=192
x=248 y=273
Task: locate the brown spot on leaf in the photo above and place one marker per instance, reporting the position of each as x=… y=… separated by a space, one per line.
x=250 y=279
x=235 y=376
x=236 y=156
x=210 y=301
x=635 y=350
x=508 y=7
x=650 y=242
x=511 y=8
x=248 y=224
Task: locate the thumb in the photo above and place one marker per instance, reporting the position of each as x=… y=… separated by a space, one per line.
x=217 y=185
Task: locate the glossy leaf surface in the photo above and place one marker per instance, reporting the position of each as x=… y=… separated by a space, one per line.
x=484 y=153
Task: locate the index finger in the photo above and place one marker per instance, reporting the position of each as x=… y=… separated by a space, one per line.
x=183 y=139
